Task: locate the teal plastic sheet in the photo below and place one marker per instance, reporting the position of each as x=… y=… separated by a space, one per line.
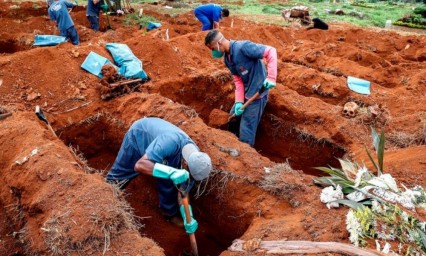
x=359 y=85
x=94 y=62
x=130 y=65
x=153 y=25
x=48 y=40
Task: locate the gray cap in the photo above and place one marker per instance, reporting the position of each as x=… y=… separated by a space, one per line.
x=199 y=163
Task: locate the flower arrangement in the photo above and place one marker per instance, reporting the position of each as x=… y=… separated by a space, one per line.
x=379 y=208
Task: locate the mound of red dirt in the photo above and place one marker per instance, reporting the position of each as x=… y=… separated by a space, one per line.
x=54 y=199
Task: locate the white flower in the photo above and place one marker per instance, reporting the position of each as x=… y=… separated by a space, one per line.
x=422 y=226
x=354 y=228
x=385 y=181
x=386 y=248
x=404 y=216
x=329 y=196
x=376 y=206
x=359 y=175
x=377 y=245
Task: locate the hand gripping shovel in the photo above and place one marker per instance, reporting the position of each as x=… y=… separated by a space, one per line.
x=185 y=203
x=249 y=101
x=39 y=113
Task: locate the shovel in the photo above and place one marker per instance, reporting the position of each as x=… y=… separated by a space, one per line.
x=185 y=203
x=39 y=113
x=248 y=102
x=109 y=25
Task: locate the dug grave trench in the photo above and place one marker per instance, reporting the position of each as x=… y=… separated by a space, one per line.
x=98 y=139
x=278 y=137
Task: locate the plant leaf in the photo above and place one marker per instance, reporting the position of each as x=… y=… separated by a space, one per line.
x=350 y=169
x=332 y=171
x=350 y=203
x=381 y=152
x=371 y=158
x=376 y=139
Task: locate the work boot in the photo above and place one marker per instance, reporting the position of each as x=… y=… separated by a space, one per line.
x=175 y=219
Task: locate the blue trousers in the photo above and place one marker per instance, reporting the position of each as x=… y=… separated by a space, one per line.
x=207 y=24
x=245 y=126
x=71 y=33
x=94 y=22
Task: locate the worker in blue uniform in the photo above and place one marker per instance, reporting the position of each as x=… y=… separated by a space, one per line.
x=155 y=147
x=245 y=61
x=210 y=15
x=92 y=12
x=58 y=12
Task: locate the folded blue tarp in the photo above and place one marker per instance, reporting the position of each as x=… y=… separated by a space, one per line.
x=48 y=40
x=94 y=62
x=359 y=85
x=153 y=25
x=130 y=65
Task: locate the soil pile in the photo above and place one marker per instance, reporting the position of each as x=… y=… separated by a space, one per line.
x=54 y=199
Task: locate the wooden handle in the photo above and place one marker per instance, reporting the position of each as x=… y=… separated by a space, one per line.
x=248 y=102
x=192 y=239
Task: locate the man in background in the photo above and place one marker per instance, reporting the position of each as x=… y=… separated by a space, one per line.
x=210 y=15
x=58 y=12
x=92 y=12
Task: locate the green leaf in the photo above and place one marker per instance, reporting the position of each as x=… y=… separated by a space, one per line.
x=376 y=139
x=371 y=158
x=381 y=152
x=350 y=203
x=331 y=171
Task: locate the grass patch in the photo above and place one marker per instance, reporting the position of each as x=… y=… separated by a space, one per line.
x=142 y=21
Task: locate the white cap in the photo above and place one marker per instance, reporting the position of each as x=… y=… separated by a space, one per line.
x=199 y=163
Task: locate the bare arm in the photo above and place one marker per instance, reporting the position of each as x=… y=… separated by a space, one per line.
x=216 y=24
x=144 y=165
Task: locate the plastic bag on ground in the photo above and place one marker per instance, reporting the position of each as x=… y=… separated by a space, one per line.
x=48 y=40
x=130 y=65
x=94 y=62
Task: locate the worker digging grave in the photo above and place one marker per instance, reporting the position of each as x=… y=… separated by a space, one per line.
x=334 y=112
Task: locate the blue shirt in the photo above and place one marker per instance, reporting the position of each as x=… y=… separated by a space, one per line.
x=245 y=60
x=160 y=140
x=211 y=11
x=58 y=11
x=93 y=9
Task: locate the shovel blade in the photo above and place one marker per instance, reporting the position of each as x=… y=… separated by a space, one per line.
x=39 y=113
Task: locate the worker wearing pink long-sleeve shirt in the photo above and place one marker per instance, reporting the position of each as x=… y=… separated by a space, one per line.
x=244 y=60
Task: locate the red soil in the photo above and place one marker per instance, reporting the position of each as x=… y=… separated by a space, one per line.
x=54 y=204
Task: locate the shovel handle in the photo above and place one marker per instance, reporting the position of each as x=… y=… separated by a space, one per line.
x=192 y=239
x=248 y=102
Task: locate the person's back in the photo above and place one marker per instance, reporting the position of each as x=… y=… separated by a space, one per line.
x=210 y=15
x=58 y=12
x=211 y=11
x=153 y=136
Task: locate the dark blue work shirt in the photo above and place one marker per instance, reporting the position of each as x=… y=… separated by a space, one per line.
x=245 y=61
x=58 y=11
x=93 y=9
x=211 y=11
x=160 y=140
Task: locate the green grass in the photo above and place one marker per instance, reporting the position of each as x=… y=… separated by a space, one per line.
x=375 y=14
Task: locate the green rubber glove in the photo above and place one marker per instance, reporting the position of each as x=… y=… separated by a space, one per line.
x=162 y=171
x=193 y=225
x=104 y=7
x=268 y=84
x=237 y=109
